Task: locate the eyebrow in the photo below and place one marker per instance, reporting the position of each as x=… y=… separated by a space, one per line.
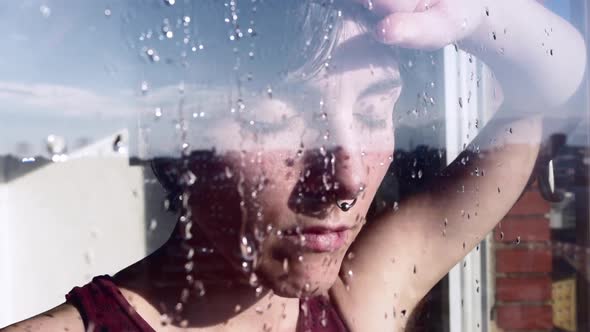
x=381 y=86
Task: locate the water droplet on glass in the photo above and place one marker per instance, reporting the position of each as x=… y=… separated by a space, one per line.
x=144 y=87
x=187 y=178
x=107 y=12
x=253 y=279
x=153 y=224
x=56 y=145
x=152 y=55
x=45 y=11
x=158 y=113
x=119 y=145
x=344 y=205
x=189 y=266
x=170 y=2
x=199 y=286
x=517 y=240
x=89 y=256
x=228 y=173
x=246 y=248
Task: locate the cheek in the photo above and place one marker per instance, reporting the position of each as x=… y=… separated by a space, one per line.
x=254 y=184
x=268 y=185
x=376 y=165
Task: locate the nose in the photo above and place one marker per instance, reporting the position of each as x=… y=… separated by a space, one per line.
x=332 y=165
x=340 y=152
x=335 y=171
x=330 y=176
x=345 y=156
x=348 y=172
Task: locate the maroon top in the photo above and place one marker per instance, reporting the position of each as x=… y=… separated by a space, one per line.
x=103 y=308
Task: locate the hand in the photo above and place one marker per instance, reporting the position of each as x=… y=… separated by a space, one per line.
x=425 y=24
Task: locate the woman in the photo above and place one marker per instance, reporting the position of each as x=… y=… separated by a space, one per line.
x=274 y=232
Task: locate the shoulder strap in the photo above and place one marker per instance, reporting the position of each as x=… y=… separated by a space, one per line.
x=104 y=308
x=318 y=314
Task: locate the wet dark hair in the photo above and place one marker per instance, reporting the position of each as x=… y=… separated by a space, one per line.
x=312 y=28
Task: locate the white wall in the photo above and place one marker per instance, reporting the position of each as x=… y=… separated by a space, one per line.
x=62 y=224
x=468 y=308
x=6 y=270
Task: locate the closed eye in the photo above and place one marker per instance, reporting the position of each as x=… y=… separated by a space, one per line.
x=267 y=127
x=375 y=103
x=382 y=87
x=372 y=119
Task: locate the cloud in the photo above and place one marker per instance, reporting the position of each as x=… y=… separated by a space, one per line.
x=62 y=100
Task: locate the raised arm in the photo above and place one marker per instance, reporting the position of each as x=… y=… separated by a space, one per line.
x=402 y=255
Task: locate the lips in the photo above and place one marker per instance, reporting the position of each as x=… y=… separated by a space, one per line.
x=319 y=238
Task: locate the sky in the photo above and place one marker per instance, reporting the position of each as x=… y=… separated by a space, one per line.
x=84 y=70
x=76 y=69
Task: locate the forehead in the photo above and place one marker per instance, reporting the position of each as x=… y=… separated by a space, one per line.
x=354 y=61
x=265 y=46
x=228 y=73
x=356 y=51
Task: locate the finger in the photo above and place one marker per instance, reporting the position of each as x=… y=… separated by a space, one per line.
x=427 y=30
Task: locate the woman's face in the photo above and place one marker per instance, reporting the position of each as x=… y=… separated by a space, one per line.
x=270 y=203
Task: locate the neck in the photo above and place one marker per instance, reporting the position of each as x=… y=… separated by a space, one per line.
x=199 y=289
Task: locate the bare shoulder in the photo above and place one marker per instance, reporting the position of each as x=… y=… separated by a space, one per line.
x=64 y=317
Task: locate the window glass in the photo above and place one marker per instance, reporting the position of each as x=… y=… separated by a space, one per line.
x=314 y=165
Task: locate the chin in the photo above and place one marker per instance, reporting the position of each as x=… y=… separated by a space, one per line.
x=297 y=288
x=301 y=280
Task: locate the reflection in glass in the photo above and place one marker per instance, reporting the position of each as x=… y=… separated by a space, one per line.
x=308 y=166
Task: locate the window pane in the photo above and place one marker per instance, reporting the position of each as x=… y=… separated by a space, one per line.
x=294 y=165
